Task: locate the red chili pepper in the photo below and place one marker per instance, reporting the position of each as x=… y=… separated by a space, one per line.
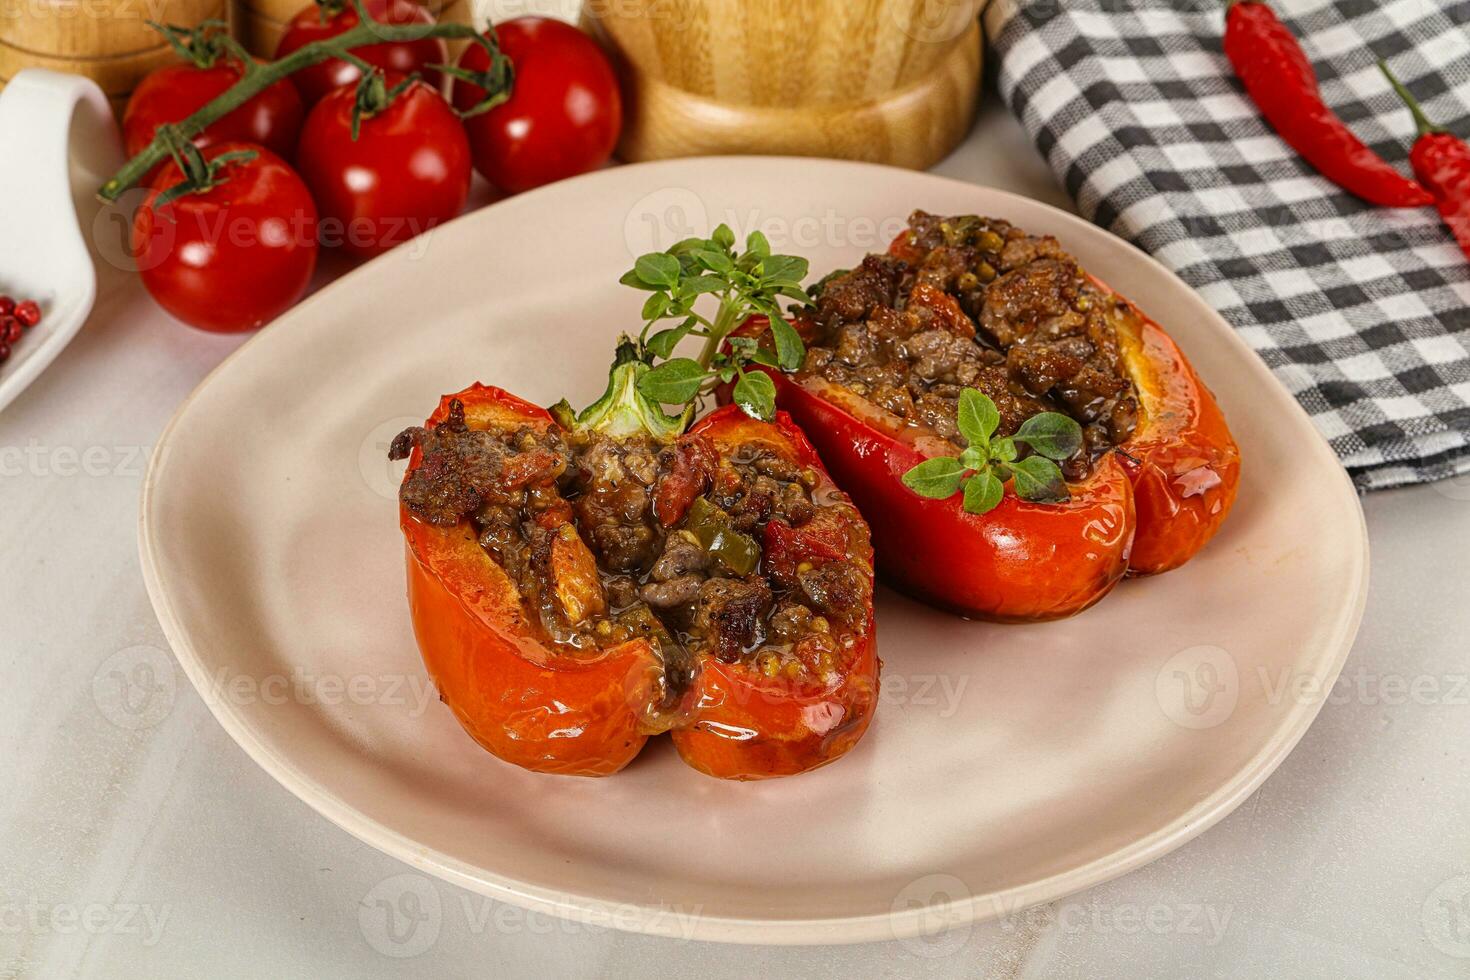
x=1281 y=82
x=1441 y=161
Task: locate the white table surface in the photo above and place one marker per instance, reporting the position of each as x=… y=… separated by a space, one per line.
x=149 y=845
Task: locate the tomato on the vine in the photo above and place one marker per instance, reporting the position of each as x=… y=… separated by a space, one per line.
x=328 y=18
x=271 y=118
x=237 y=251
x=407 y=170
x=564 y=112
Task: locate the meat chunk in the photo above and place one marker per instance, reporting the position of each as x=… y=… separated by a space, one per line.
x=674 y=592
x=464 y=468
x=871 y=286
x=978 y=303
x=682 y=554
x=1040 y=297
x=839 y=589
x=730 y=614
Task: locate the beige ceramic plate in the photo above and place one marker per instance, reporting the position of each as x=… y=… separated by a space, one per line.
x=1007 y=765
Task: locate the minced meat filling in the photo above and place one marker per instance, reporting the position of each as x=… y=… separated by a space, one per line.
x=976 y=303
x=611 y=539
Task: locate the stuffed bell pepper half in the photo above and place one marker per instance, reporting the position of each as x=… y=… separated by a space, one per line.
x=1019 y=436
x=580 y=583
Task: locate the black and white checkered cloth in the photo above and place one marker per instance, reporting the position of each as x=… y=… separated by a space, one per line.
x=1362 y=312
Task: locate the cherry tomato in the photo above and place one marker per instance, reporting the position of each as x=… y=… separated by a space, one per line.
x=563 y=115
x=233 y=256
x=315 y=23
x=407 y=171
x=271 y=118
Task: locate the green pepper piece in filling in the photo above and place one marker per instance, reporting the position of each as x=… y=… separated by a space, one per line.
x=738 y=552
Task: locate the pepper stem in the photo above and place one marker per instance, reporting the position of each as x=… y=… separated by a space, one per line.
x=1420 y=120
x=623 y=410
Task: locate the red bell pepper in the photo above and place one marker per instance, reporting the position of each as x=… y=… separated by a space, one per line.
x=1182 y=460
x=1147 y=508
x=567 y=711
x=1019 y=562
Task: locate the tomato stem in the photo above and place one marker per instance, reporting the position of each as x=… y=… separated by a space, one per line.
x=368 y=31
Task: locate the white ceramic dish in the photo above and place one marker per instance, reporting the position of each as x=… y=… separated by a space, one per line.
x=1007 y=765
x=48 y=206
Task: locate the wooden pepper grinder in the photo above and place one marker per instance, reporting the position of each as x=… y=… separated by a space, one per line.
x=893 y=81
x=108 y=41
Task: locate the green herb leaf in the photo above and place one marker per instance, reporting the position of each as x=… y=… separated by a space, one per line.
x=983 y=492
x=698 y=285
x=662 y=344
x=1038 y=480
x=790 y=351
x=1003 y=450
x=978 y=417
x=755 y=393
x=936 y=478
x=658 y=269
x=764 y=355
x=1051 y=434
x=687 y=246
x=655 y=306
x=752 y=283
x=975 y=458
x=673 y=382
x=715 y=261
x=632 y=278
x=779 y=269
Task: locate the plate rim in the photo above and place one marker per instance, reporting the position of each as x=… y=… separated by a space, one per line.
x=657 y=920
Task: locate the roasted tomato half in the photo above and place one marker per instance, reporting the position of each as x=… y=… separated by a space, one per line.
x=576 y=591
x=969 y=302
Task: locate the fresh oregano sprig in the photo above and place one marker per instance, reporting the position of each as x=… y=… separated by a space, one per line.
x=985 y=467
x=745 y=283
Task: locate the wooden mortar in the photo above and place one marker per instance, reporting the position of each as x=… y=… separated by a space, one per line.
x=892 y=81
x=108 y=41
